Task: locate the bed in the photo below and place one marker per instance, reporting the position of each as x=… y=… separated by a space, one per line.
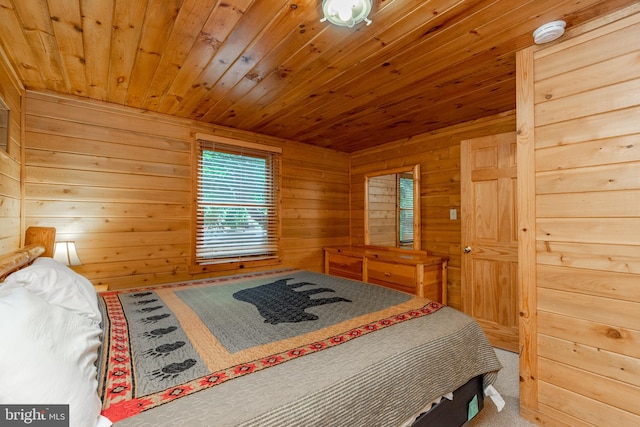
x=282 y=347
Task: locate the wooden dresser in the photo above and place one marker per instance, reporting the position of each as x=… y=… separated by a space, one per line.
x=414 y=272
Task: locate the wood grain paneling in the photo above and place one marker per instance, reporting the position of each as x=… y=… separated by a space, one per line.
x=585 y=368
x=273 y=67
x=489 y=230
x=11 y=224
x=438 y=154
x=117 y=181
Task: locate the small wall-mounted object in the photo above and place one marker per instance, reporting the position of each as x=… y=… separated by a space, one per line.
x=4 y=126
x=65 y=253
x=346 y=13
x=549 y=32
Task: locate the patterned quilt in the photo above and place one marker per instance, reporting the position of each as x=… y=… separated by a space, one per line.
x=167 y=342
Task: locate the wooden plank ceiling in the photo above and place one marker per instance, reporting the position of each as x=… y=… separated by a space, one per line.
x=271 y=66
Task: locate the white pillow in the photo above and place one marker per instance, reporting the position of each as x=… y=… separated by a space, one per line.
x=47 y=355
x=59 y=285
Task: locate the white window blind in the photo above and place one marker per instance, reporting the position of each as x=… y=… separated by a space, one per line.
x=237 y=214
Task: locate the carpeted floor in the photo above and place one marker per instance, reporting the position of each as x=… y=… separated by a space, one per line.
x=507 y=385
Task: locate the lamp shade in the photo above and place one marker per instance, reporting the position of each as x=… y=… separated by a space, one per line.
x=65 y=253
x=346 y=13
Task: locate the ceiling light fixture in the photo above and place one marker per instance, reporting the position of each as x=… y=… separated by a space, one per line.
x=346 y=13
x=549 y=32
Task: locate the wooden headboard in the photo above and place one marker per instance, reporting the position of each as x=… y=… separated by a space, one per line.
x=39 y=241
x=44 y=236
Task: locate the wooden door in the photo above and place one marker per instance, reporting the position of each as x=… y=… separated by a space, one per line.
x=489 y=236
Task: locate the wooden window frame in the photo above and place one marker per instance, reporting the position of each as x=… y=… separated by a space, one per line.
x=223 y=264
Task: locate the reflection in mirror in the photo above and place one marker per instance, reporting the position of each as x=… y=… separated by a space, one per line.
x=391 y=216
x=4 y=126
x=405 y=209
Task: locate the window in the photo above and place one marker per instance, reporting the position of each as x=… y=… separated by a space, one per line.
x=237 y=203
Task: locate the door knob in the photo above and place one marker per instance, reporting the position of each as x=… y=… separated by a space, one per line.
x=467 y=249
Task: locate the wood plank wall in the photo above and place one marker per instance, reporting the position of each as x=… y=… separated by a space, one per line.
x=438 y=154
x=585 y=363
x=117 y=181
x=11 y=91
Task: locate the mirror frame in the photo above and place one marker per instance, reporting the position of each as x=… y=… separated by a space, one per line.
x=415 y=171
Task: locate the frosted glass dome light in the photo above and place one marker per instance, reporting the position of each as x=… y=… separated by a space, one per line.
x=346 y=13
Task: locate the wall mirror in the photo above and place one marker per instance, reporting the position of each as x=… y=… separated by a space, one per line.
x=4 y=126
x=392 y=208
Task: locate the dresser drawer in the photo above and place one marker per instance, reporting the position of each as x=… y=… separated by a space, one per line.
x=345 y=266
x=398 y=276
x=414 y=272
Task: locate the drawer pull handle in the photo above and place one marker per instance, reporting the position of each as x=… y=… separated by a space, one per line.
x=387 y=274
